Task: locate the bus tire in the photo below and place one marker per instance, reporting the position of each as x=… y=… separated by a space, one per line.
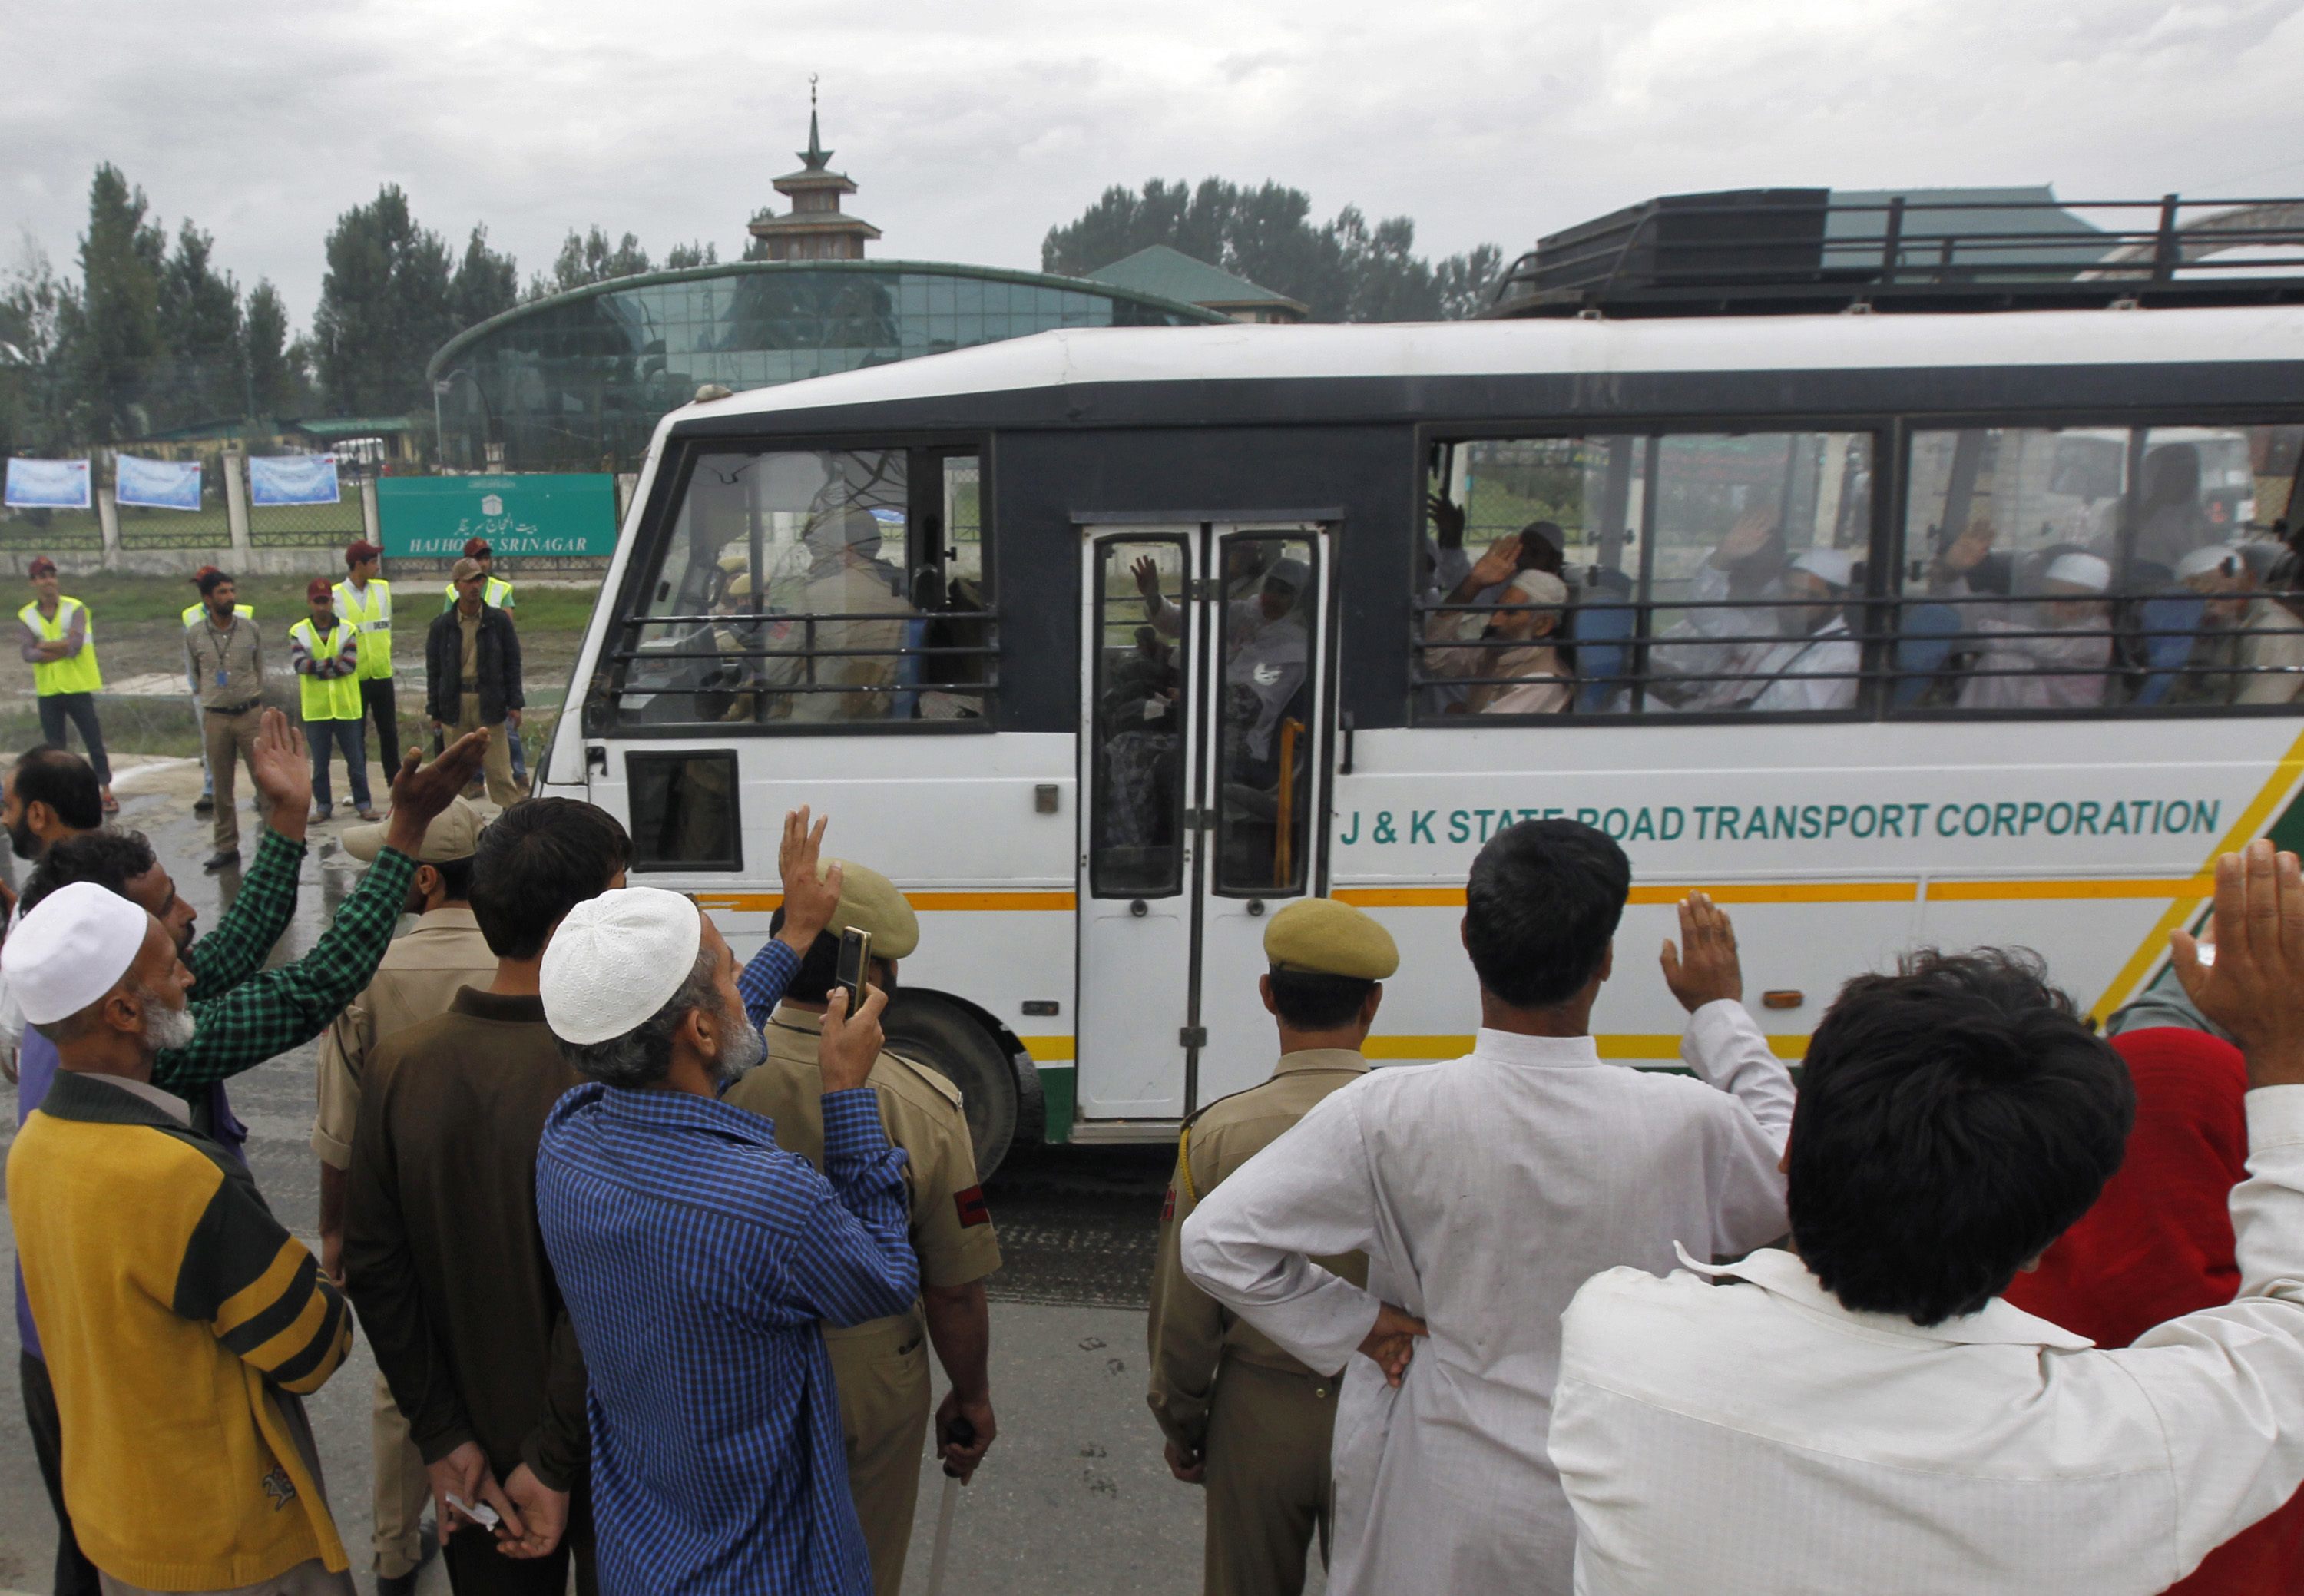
x=939 y=1032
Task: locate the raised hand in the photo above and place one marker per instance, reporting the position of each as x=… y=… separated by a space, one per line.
x=282 y=768
x=1496 y=565
x=810 y=899
x=1704 y=968
x=1148 y=578
x=849 y=1045
x=1747 y=537
x=1966 y=552
x=1391 y=1341
x=1447 y=521
x=420 y=792
x=2255 y=986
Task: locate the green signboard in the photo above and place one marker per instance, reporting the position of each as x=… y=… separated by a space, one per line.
x=432 y=517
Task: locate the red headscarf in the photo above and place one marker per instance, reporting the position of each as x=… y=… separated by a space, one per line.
x=2158 y=1243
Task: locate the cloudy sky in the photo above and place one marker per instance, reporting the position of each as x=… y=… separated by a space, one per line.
x=974 y=127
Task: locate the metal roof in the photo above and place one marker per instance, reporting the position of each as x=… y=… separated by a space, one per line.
x=1172 y=273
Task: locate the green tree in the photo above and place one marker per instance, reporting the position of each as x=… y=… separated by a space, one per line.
x=109 y=333
x=275 y=380
x=486 y=284
x=588 y=258
x=384 y=307
x=1468 y=282
x=31 y=305
x=1345 y=270
x=205 y=376
x=682 y=257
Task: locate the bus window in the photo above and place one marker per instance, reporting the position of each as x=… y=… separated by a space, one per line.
x=1136 y=825
x=1263 y=742
x=1698 y=571
x=2073 y=568
x=805 y=589
x=683 y=810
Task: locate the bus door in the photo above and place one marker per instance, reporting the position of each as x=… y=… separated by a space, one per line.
x=1203 y=762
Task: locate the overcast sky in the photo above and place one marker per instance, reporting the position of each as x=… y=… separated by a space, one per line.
x=972 y=128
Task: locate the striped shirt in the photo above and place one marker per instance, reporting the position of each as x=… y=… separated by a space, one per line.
x=696 y=1258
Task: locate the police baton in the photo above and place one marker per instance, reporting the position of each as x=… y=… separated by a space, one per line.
x=961 y=1434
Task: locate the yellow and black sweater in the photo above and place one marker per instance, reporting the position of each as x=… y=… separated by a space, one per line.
x=182 y=1320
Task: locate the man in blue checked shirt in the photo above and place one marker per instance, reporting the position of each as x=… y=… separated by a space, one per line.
x=696 y=1257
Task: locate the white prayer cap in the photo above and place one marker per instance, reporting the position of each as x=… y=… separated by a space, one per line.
x=1540 y=587
x=616 y=960
x=2216 y=557
x=71 y=949
x=1835 y=565
x=2080 y=570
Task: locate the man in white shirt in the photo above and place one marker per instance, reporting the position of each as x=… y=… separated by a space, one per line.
x=1866 y=1414
x=1484 y=1193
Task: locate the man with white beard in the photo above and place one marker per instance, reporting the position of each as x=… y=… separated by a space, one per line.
x=174 y=1302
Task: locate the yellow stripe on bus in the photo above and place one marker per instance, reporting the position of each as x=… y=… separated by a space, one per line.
x=2182 y=887
x=1616 y=1044
x=2251 y=821
x=1050 y=1050
x=927 y=903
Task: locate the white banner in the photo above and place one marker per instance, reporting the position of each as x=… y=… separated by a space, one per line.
x=158 y=484
x=48 y=485
x=293 y=479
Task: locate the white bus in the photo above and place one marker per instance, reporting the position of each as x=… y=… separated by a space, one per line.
x=1105 y=644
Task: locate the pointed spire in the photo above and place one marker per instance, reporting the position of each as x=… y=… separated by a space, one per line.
x=816 y=156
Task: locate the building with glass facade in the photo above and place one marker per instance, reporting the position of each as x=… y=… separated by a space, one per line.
x=577 y=381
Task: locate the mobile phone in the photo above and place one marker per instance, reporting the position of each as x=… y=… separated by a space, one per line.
x=855 y=968
x=479 y=1512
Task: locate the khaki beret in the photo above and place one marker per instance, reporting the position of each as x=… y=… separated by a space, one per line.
x=870 y=902
x=453 y=834
x=1322 y=937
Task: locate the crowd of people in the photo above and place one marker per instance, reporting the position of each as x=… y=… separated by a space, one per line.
x=652 y=1243
x=1771 y=628
x=340 y=658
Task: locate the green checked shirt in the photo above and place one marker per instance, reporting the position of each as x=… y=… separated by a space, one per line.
x=247 y=1014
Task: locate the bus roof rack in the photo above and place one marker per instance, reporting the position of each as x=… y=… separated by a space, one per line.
x=1779 y=252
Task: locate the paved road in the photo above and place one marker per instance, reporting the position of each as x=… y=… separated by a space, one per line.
x=1073 y=1497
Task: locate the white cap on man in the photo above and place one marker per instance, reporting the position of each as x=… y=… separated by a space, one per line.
x=71 y=949
x=2214 y=559
x=1836 y=567
x=616 y=960
x=1537 y=587
x=2077 y=570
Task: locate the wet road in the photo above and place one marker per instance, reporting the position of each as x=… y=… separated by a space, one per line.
x=1074 y=1496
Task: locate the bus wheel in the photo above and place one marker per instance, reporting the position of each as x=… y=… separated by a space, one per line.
x=931 y=1029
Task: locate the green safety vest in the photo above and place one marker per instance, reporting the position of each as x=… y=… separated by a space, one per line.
x=325 y=698
x=193 y=612
x=77 y=674
x=373 y=621
x=495 y=596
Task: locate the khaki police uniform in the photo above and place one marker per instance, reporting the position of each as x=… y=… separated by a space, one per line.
x=1261 y=1422
x=882 y=1366
x=422 y=972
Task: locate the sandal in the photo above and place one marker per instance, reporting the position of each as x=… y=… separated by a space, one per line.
x=111 y=804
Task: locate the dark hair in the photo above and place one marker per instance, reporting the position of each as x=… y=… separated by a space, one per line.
x=64 y=782
x=1307 y=1000
x=812 y=983
x=456 y=879
x=110 y=859
x=1954 y=1119
x=210 y=580
x=537 y=860
x=1543 y=902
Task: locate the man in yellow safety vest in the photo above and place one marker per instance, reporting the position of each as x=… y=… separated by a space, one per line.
x=324 y=652
x=206 y=803
x=60 y=645
x=365 y=603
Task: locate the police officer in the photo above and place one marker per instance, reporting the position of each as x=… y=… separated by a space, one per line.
x=205 y=803
x=1241 y=1415
x=881 y=1367
x=496 y=595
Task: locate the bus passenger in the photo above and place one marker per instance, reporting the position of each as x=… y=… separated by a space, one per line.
x=1815 y=668
x=861 y=649
x=2052 y=655
x=1706 y=660
x=2170 y=523
x=2251 y=646
x=1529 y=617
